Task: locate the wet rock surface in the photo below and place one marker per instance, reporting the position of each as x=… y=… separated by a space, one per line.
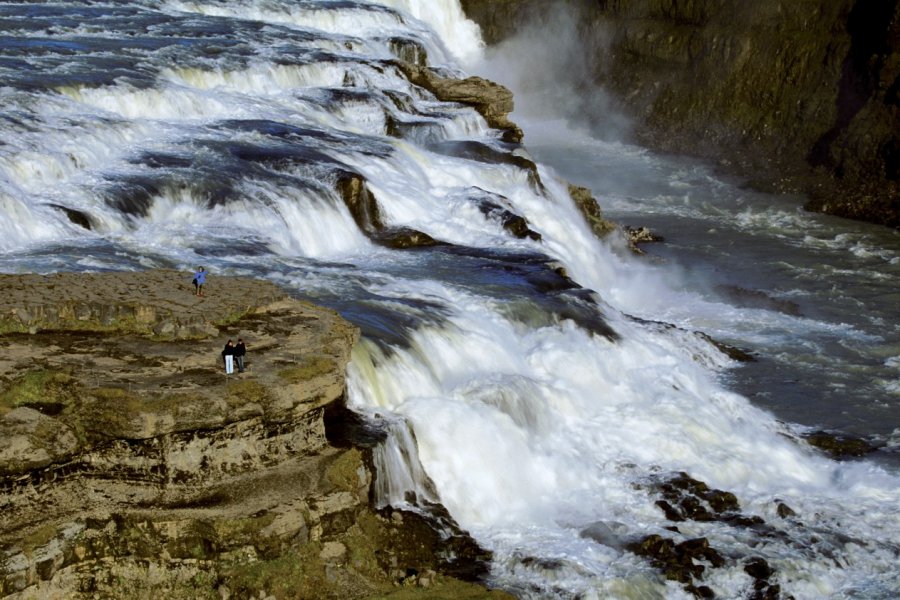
x=131 y=466
x=688 y=561
x=838 y=445
x=493 y=101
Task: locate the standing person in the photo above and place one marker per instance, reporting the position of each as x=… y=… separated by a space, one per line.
x=199 y=280
x=228 y=357
x=239 y=351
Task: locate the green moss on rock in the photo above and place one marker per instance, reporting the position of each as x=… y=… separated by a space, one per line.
x=343 y=473
x=47 y=390
x=296 y=574
x=307 y=368
x=246 y=391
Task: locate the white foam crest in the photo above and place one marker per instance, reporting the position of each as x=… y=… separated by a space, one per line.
x=860 y=245
x=453 y=124
x=263 y=79
x=63 y=144
x=344 y=21
x=284 y=86
x=23 y=224
x=638 y=287
x=446 y=17
x=772 y=219
x=292 y=222
x=626 y=402
x=32 y=171
x=65 y=157
x=159 y=104
x=361 y=117
x=426 y=191
x=423 y=190
x=174 y=219
x=399 y=469
x=321 y=229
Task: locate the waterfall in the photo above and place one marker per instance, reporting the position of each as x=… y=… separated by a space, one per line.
x=545 y=389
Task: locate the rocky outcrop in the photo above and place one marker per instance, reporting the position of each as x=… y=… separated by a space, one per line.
x=601 y=227
x=153 y=303
x=796 y=97
x=838 y=445
x=493 y=101
x=589 y=208
x=131 y=466
x=363 y=207
x=691 y=560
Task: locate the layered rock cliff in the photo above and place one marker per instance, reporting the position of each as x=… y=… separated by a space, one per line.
x=132 y=466
x=795 y=96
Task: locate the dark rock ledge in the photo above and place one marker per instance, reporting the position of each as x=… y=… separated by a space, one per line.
x=131 y=467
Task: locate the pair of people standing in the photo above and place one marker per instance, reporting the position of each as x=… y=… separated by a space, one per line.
x=234 y=354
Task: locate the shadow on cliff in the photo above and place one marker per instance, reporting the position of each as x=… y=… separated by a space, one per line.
x=868 y=25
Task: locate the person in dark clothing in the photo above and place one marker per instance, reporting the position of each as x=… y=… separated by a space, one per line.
x=228 y=357
x=199 y=280
x=239 y=351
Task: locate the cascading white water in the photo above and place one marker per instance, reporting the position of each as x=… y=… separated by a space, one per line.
x=540 y=414
x=549 y=430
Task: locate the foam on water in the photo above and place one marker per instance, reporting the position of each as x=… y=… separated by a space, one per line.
x=445 y=17
x=365 y=20
x=23 y=225
x=550 y=430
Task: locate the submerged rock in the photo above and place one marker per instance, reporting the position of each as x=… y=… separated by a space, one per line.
x=401 y=238
x=602 y=227
x=741 y=296
x=732 y=352
x=677 y=560
x=499 y=209
x=75 y=216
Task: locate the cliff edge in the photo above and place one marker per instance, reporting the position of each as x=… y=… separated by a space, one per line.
x=131 y=466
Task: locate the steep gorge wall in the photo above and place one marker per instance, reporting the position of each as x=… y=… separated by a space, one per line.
x=799 y=96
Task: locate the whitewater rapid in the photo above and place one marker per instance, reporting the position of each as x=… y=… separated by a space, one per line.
x=536 y=388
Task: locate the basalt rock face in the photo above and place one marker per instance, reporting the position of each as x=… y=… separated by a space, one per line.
x=796 y=96
x=131 y=466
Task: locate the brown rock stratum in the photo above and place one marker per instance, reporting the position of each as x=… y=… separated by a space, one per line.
x=131 y=466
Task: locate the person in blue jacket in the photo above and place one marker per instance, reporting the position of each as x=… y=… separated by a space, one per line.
x=199 y=280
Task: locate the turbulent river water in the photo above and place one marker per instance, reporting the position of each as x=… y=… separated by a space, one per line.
x=541 y=410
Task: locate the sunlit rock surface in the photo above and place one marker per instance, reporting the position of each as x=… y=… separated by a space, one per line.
x=131 y=465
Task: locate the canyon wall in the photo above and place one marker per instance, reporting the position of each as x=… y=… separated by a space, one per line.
x=796 y=97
